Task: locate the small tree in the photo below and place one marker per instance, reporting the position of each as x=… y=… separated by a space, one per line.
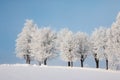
x=23 y=41
x=44 y=45
x=67 y=46
x=82 y=46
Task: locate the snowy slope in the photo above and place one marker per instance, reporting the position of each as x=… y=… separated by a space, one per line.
x=33 y=72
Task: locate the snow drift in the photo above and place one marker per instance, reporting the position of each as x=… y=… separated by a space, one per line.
x=34 y=72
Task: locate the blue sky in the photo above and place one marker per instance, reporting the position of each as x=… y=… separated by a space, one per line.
x=77 y=15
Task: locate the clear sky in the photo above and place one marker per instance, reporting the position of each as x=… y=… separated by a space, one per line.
x=77 y=15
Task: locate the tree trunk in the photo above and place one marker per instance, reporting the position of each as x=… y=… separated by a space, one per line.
x=39 y=63
x=106 y=64
x=45 y=61
x=82 y=60
x=96 y=60
x=97 y=66
x=27 y=59
x=68 y=63
x=97 y=63
x=82 y=63
x=71 y=64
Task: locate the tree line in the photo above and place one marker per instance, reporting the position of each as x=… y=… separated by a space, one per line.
x=42 y=44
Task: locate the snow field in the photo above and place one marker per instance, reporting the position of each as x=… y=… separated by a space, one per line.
x=34 y=72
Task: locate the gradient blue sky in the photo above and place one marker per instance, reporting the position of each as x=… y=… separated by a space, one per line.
x=77 y=15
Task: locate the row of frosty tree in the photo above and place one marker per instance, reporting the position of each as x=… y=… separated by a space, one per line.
x=41 y=44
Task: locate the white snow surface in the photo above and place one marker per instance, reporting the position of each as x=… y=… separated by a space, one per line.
x=34 y=72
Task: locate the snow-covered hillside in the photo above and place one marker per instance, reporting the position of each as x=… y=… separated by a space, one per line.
x=33 y=72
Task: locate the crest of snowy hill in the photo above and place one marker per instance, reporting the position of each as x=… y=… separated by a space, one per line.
x=34 y=72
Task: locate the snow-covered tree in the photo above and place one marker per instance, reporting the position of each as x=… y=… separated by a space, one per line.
x=44 y=45
x=109 y=48
x=103 y=45
x=82 y=46
x=114 y=43
x=106 y=44
x=23 y=41
x=66 y=42
x=98 y=41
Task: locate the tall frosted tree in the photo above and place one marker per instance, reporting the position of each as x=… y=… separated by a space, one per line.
x=67 y=46
x=44 y=45
x=23 y=41
x=115 y=40
x=98 y=41
x=109 y=48
x=94 y=48
x=82 y=46
x=103 y=46
x=106 y=44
